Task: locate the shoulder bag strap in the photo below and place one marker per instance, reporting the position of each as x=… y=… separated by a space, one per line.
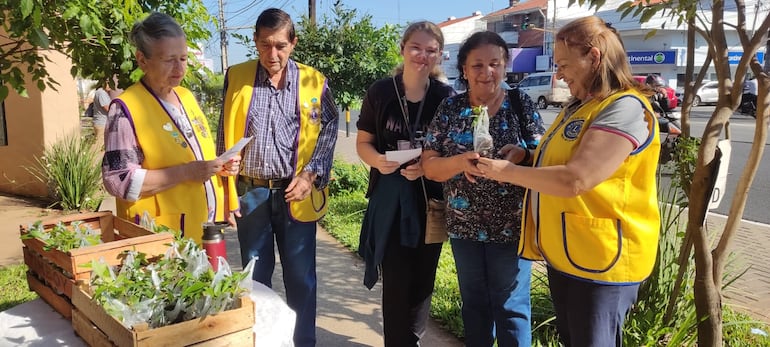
x=517 y=108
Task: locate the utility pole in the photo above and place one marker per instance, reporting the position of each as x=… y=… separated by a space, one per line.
x=223 y=35
x=311 y=11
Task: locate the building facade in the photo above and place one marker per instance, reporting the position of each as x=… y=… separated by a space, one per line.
x=29 y=124
x=528 y=28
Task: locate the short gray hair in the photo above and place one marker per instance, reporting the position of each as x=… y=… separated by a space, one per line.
x=156 y=26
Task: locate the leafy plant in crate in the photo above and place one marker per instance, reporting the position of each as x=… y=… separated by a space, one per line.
x=177 y=287
x=62 y=238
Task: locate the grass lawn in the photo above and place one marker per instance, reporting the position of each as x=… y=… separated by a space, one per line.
x=15 y=291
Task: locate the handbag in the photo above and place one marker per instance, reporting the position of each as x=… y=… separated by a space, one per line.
x=435 y=219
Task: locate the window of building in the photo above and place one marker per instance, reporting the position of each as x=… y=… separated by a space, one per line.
x=3 y=126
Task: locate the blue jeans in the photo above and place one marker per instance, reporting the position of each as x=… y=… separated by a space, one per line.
x=265 y=218
x=494 y=286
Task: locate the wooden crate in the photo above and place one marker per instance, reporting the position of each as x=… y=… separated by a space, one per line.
x=97 y=328
x=53 y=273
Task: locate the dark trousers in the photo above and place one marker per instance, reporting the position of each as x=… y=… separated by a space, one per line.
x=408 y=275
x=589 y=314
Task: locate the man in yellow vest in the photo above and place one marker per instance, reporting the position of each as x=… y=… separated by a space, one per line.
x=289 y=111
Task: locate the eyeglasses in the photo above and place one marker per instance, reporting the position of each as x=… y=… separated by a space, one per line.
x=429 y=52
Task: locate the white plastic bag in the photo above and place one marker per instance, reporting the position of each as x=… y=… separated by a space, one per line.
x=482 y=140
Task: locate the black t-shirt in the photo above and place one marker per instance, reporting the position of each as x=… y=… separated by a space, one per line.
x=381 y=116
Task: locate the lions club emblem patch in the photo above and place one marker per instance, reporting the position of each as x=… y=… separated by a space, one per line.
x=572 y=129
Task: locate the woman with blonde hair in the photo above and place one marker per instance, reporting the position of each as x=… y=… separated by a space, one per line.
x=394 y=115
x=591 y=210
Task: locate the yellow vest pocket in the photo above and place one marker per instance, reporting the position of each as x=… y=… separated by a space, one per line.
x=591 y=244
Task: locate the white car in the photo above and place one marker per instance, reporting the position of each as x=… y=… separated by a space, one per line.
x=545 y=89
x=708 y=93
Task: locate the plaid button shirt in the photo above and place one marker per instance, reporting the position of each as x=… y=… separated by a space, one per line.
x=273 y=120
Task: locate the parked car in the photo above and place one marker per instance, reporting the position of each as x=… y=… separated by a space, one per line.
x=708 y=93
x=457 y=84
x=671 y=94
x=545 y=89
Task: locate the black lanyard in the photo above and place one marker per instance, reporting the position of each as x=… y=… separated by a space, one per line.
x=405 y=111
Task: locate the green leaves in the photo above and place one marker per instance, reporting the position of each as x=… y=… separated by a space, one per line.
x=71 y=167
x=349 y=50
x=91 y=33
x=177 y=287
x=38 y=38
x=62 y=237
x=26 y=6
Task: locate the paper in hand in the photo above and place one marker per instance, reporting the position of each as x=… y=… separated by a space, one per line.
x=403 y=156
x=235 y=149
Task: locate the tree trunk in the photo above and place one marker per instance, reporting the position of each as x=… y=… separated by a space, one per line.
x=708 y=298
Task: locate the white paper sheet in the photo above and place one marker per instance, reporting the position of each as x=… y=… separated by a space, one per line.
x=403 y=156
x=235 y=149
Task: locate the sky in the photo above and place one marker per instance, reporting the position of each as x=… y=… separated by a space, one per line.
x=243 y=13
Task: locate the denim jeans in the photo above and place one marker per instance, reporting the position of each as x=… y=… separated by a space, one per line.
x=589 y=314
x=494 y=286
x=264 y=223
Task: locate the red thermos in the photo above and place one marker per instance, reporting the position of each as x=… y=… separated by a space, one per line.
x=214 y=242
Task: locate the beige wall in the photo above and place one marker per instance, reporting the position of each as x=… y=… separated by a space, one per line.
x=35 y=122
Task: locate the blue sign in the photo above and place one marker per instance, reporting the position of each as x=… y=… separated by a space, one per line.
x=652 y=57
x=735 y=57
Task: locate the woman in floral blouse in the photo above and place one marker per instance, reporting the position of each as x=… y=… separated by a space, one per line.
x=484 y=216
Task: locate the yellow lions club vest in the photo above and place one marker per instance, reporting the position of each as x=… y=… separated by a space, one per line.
x=184 y=206
x=240 y=90
x=609 y=234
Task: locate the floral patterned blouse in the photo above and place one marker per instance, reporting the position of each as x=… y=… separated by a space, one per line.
x=486 y=211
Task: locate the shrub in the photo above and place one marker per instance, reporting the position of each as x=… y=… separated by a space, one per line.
x=72 y=170
x=347 y=178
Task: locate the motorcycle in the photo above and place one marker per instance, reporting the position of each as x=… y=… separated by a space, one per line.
x=670 y=130
x=749 y=104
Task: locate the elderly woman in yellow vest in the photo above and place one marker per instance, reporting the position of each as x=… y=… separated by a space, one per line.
x=160 y=156
x=591 y=206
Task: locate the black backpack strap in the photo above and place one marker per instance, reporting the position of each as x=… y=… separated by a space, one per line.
x=515 y=98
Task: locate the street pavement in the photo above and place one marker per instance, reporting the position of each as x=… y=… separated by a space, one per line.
x=350 y=315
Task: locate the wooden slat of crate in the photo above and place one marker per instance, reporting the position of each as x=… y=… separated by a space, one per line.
x=213 y=329
x=88 y=332
x=237 y=339
x=59 y=303
x=47 y=273
x=96 y=338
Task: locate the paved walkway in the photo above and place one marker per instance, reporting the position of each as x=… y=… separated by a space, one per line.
x=350 y=315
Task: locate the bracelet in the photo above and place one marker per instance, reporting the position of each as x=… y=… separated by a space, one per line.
x=527 y=157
